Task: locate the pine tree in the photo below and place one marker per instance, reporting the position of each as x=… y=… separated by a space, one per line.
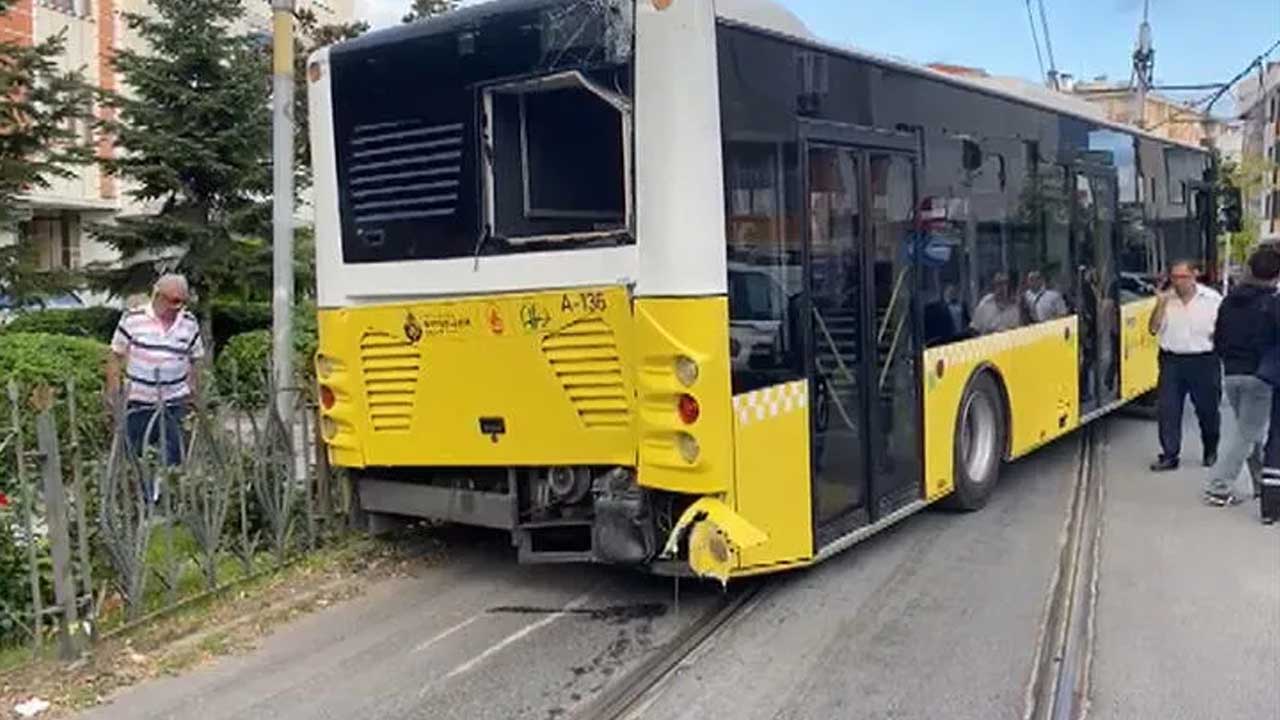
x=193 y=133
x=423 y=9
x=42 y=109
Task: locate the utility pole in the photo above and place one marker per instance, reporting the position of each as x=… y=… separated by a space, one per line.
x=282 y=206
x=1144 y=63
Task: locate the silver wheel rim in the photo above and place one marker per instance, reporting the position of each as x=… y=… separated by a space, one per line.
x=978 y=435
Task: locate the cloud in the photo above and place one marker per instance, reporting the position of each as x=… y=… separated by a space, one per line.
x=385 y=13
x=381 y=13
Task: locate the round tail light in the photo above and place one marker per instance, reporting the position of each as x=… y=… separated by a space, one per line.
x=327 y=398
x=689 y=409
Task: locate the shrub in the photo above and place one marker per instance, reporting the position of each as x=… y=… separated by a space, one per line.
x=98 y=323
x=33 y=359
x=242 y=365
x=231 y=318
x=41 y=358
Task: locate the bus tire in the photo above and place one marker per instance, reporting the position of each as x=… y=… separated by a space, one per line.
x=980 y=437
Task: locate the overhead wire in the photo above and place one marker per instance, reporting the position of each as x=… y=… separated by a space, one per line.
x=1035 y=38
x=1048 y=46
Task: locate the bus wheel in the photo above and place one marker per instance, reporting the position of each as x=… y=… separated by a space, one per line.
x=979 y=444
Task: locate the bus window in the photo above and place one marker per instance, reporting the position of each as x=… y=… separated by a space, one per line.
x=765 y=275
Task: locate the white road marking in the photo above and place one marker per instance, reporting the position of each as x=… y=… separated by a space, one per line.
x=446 y=633
x=518 y=635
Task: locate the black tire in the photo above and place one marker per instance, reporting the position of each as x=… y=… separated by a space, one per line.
x=979 y=443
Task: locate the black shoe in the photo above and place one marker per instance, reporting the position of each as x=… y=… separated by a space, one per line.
x=1163 y=464
x=1210 y=459
x=1268 y=520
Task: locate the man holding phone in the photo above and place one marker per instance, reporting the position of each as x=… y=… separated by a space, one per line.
x=1184 y=320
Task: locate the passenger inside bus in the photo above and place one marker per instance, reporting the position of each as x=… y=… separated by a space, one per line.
x=999 y=309
x=947 y=318
x=1043 y=301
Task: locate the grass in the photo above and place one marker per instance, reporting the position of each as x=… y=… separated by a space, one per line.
x=175 y=553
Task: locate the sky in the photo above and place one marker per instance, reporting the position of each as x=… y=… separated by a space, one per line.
x=1195 y=41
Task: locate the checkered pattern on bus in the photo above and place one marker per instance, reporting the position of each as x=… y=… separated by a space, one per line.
x=770 y=402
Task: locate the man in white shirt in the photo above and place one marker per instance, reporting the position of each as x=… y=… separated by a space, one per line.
x=998 y=310
x=1043 y=302
x=153 y=356
x=1184 y=320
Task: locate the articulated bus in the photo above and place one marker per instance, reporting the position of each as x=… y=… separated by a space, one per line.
x=675 y=284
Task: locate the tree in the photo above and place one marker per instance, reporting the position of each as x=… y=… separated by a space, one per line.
x=42 y=108
x=1249 y=175
x=423 y=9
x=193 y=132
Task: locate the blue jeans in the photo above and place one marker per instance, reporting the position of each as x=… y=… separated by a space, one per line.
x=139 y=418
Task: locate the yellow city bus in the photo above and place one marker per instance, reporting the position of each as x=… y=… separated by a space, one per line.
x=675 y=284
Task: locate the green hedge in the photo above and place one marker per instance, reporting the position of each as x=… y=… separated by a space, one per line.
x=98 y=323
x=34 y=359
x=231 y=318
x=241 y=367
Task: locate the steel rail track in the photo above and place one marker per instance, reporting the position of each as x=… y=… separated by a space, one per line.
x=1059 y=685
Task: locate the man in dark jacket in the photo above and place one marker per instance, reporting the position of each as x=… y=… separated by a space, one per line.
x=1247 y=326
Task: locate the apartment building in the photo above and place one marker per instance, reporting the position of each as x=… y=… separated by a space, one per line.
x=1159 y=115
x=58 y=218
x=1258 y=102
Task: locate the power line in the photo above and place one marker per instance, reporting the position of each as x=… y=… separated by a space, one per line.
x=1257 y=62
x=1035 y=38
x=1048 y=46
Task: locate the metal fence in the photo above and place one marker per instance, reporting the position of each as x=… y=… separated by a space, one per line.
x=119 y=511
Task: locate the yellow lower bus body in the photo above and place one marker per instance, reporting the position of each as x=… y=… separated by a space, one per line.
x=600 y=427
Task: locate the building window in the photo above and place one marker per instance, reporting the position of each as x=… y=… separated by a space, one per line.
x=78 y=8
x=57 y=240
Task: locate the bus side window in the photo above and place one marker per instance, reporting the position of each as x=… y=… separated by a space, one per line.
x=765 y=274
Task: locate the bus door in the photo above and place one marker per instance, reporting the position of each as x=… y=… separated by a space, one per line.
x=862 y=337
x=1093 y=228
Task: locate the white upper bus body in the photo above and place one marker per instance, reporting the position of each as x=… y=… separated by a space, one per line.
x=675 y=199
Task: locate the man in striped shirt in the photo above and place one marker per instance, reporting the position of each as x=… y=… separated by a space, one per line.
x=157 y=345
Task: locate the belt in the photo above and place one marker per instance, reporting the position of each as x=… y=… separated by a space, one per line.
x=1170 y=353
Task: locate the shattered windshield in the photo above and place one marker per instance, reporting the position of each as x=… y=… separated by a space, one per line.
x=499 y=128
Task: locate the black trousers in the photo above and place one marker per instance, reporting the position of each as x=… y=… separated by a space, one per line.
x=1199 y=376
x=1272 y=459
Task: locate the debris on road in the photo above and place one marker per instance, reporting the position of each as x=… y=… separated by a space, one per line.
x=31 y=708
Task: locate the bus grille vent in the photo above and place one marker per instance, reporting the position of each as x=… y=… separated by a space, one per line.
x=404 y=171
x=584 y=356
x=390 y=366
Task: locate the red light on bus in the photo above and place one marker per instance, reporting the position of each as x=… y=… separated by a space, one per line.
x=327 y=398
x=689 y=409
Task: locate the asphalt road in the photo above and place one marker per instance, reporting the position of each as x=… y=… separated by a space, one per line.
x=478 y=637
x=936 y=618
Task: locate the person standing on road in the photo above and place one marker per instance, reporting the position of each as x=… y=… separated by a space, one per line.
x=158 y=345
x=1248 y=325
x=1184 y=321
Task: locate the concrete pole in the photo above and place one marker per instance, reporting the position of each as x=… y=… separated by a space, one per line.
x=282 y=205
